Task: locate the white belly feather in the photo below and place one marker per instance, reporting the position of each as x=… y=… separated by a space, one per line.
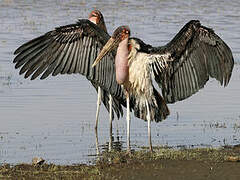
x=140 y=80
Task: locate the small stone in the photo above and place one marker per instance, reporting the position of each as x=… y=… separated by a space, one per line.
x=37 y=161
x=233 y=159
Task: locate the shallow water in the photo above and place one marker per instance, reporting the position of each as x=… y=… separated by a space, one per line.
x=55 y=118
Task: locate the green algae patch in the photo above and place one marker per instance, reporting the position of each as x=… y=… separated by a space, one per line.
x=164 y=162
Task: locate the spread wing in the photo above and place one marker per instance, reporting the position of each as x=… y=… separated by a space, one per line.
x=70 y=49
x=193 y=55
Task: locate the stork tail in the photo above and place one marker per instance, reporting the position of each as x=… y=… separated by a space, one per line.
x=157 y=107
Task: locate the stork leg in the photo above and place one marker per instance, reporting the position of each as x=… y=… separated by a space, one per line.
x=98 y=106
x=97 y=144
x=97 y=117
x=149 y=128
x=110 y=123
x=128 y=123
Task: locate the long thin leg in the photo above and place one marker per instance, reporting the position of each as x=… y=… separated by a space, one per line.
x=97 y=144
x=98 y=106
x=149 y=128
x=128 y=123
x=110 y=123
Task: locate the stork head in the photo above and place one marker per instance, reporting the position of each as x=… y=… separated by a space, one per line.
x=120 y=34
x=96 y=17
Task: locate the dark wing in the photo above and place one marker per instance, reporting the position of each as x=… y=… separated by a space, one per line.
x=70 y=49
x=193 y=55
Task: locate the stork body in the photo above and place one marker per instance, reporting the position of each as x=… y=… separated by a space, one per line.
x=181 y=68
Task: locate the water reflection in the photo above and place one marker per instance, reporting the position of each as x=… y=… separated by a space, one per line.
x=111 y=145
x=116 y=145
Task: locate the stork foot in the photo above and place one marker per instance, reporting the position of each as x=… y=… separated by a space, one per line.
x=151 y=149
x=129 y=151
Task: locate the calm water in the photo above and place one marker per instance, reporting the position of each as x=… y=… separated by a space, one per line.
x=55 y=118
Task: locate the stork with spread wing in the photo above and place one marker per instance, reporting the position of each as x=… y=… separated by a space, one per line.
x=180 y=68
x=72 y=49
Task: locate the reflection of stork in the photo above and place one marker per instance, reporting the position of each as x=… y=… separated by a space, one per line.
x=180 y=68
x=68 y=50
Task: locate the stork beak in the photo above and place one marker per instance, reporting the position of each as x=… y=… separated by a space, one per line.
x=109 y=46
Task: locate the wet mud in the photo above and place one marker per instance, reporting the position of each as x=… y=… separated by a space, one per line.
x=164 y=163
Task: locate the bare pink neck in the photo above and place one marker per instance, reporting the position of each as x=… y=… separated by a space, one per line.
x=121 y=62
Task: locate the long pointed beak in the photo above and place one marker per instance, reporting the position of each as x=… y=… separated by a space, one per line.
x=109 y=46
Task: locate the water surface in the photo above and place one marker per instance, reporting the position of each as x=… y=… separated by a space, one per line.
x=55 y=118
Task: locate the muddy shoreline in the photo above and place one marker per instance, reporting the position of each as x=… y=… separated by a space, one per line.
x=164 y=163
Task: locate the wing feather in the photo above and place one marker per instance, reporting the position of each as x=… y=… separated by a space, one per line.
x=30 y=53
x=74 y=59
x=70 y=49
x=193 y=55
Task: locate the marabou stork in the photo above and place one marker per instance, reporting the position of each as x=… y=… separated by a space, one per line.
x=69 y=49
x=180 y=68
